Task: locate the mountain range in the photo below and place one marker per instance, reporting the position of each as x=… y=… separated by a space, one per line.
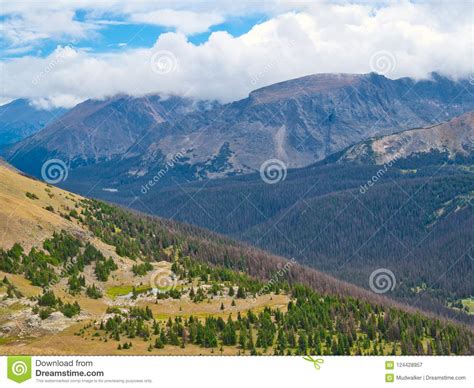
x=375 y=173
x=401 y=201
x=299 y=122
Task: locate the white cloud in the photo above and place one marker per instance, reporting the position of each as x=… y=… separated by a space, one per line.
x=186 y=22
x=30 y=27
x=32 y=22
x=321 y=38
x=37 y=20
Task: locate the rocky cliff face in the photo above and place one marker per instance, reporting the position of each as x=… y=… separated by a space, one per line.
x=298 y=121
x=96 y=131
x=304 y=120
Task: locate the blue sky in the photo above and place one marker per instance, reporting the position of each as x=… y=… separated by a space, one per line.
x=120 y=33
x=59 y=53
x=145 y=35
x=101 y=30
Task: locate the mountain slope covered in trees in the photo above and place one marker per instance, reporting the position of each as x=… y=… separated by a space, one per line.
x=83 y=277
x=402 y=202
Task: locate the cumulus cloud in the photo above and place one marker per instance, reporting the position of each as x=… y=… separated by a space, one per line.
x=29 y=27
x=401 y=39
x=36 y=21
x=186 y=22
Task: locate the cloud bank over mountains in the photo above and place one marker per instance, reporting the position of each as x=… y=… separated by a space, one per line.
x=394 y=39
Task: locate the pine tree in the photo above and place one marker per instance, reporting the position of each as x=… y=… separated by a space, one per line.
x=229 y=336
x=159 y=343
x=281 y=340
x=240 y=293
x=243 y=337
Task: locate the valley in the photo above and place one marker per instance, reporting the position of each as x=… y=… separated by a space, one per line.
x=401 y=201
x=373 y=174
x=79 y=276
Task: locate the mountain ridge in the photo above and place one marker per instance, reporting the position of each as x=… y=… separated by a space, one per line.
x=325 y=115
x=19 y=119
x=86 y=130
x=454 y=138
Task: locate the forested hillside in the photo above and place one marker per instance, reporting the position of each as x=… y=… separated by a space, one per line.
x=414 y=217
x=113 y=282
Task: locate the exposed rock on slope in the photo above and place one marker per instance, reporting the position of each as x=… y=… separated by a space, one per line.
x=454 y=138
x=126 y=141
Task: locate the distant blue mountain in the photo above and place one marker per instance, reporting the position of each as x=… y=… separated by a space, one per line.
x=19 y=119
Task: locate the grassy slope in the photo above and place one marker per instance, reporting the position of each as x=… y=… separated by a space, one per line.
x=26 y=221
